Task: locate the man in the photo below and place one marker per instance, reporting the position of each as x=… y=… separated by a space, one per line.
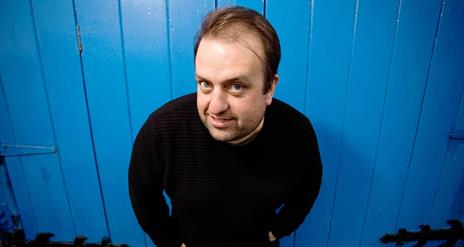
x=230 y=155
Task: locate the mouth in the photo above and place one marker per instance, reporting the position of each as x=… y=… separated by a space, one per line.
x=220 y=122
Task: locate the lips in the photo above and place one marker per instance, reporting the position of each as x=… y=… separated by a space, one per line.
x=220 y=122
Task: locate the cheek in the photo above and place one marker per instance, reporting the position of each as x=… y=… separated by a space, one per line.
x=251 y=110
x=202 y=102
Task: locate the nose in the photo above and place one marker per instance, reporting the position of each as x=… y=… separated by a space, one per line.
x=218 y=103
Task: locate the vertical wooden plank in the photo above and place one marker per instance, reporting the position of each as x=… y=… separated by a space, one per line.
x=15 y=167
x=373 y=38
x=449 y=200
x=8 y=208
x=147 y=59
x=415 y=34
x=22 y=79
x=291 y=21
x=104 y=75
x=330 y=44
x=184 y=22
x=64 y=84
x=442 y=99
x=257 y=5
x=224 y=3
x=146 y=56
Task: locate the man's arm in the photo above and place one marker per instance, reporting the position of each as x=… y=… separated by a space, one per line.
x=301 y=199
x=146 y=189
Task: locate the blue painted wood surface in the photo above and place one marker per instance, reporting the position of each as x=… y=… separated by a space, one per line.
x=183 y=17
x=60 y=62
x=441 y=101
x=294 y=50
x=330 y=47
x=373 y=32
x=257 y=5
x=146 y=57
x=448 y=199
x=28 y=106
x=382 y=82
x=15 y=171
x=103 y=66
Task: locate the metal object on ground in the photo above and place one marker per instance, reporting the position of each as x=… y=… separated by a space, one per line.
x=426 y=233
x=17 y=239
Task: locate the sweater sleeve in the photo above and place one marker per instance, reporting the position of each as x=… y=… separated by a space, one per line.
x=146 y=189
x=301 y=199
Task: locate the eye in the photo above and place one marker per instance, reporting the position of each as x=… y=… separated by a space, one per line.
x=236 y=88
x=204 y=85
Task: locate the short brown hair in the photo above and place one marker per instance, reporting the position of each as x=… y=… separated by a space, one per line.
x=218 y=22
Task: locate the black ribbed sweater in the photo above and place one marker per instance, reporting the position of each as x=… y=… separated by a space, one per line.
x=222 y=195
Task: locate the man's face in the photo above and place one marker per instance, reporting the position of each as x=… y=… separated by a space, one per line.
x=230 y=97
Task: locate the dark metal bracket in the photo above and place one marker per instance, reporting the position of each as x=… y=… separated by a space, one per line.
x=17 y=239
x=451 y=235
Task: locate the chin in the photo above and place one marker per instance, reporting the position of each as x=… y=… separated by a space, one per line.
x=222 y=136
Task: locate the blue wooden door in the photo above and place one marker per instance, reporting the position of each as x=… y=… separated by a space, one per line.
x=382 y=82
x=56 y=97
x=43 y=102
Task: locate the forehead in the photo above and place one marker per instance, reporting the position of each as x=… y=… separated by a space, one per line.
x=222 y=50
x=241 y=34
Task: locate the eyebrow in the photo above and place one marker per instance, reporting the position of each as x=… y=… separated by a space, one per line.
x=238 y=78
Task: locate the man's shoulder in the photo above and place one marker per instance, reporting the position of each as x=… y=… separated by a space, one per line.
x=182 y=103
x=287 y=120
x=175 y=111
x=282 y=112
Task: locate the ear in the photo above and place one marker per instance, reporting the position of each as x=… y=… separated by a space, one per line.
x=270 y=92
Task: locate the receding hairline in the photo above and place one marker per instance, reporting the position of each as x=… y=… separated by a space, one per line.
x=241 y=34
